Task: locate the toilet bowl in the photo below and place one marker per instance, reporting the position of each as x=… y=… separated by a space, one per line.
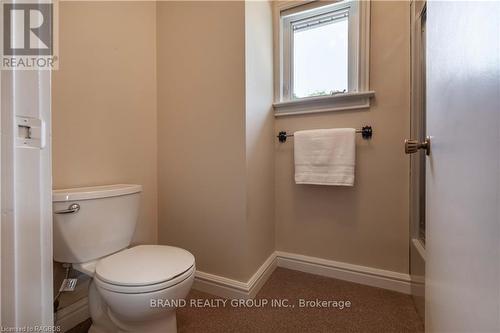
x=130 y=283
x=133 y=289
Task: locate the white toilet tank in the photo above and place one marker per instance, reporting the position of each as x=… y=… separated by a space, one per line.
x=102 y=221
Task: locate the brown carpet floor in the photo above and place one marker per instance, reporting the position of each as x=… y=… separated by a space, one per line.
x=371 y=310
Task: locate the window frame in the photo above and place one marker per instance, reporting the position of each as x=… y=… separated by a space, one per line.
x=358 y=95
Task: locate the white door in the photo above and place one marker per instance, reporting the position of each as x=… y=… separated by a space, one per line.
x=25 y=192
x=463 y=169
x=26 y=200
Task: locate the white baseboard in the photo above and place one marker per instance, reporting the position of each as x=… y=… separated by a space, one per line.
x=72 y=315
x=229 y=288
x=369 y=276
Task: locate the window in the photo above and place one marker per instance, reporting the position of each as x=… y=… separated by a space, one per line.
x=323 y=57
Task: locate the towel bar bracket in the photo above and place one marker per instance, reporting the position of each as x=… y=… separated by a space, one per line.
x=366 y=133
x=282 y=136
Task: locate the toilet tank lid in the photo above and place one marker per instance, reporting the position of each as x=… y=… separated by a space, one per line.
x=94 y=192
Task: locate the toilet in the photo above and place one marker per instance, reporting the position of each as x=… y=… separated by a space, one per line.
x=93 y=228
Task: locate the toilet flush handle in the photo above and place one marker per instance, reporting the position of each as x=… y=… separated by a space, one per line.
x=73 y=208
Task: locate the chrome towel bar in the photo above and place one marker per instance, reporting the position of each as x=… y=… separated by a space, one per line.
x=366 y=133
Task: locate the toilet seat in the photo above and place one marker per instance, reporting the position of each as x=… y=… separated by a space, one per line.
x=144 y=289
x=144 y=268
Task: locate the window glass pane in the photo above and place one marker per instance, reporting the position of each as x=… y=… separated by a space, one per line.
x=320 y=56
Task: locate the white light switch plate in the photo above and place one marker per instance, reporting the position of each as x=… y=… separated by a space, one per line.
x=30 y=132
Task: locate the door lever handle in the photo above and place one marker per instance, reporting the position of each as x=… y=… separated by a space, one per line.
x=73 y=208
x=412 y=146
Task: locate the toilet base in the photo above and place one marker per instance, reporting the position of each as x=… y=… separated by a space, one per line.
x=103 y=320
x=168 y=324
x=165 y=324
x=95 y=329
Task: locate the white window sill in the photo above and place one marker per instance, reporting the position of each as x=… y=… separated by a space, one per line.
x=339 y=102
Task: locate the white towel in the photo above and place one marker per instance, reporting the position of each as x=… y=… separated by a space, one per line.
x=325 y=156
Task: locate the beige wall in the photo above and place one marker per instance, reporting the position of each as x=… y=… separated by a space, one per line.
x=203 y=110
x=201 y=132
x=259 y=131
x=104 y=101
x=368 y=223
x=215 y=126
